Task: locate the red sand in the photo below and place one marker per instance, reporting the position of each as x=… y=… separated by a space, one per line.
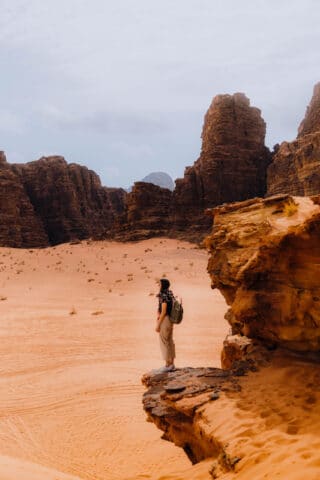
x=77 y=333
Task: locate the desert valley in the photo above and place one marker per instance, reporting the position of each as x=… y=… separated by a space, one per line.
x=239 y=238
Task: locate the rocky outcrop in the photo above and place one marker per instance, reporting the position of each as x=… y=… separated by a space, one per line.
x=265 y=259
x=172 y=402
x=48 y=201
x=69 y=199
x=232 y=164
x=311 y=123
x=147 y=213
x=20 y=225
x=295 y=168
x=241 y=424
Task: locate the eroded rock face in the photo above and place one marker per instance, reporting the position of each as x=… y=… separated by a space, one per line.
x=311 y=122
x=69 y=199
x=20 y=225
x=232 y=164
x=265 y=259
x=172 y=402
x=147 y=213
x=295 y=168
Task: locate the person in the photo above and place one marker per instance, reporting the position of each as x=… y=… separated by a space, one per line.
x=164 y=326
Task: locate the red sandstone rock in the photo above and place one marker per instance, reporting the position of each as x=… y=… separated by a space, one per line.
x=265 y=260
x=232 y=164
x=311 y=122
x=69 y=199
x=295 y=168
x=20 y=226
x=147 y=213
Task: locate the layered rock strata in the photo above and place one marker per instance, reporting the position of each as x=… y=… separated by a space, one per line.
x=241 y=424
x=172 y=402
x=265 y=259
x=295 y=168
x=68 y=198
x=147 y=213
x=232 y=164
x=20 y=225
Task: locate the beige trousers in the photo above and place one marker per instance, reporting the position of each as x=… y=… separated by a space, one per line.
x=167 y=346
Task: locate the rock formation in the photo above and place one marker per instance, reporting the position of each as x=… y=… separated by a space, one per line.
x=311 y=123
x=295 y=168
x=232 y=164
x=161 y=179
x=68 y=198
x=239 y=423
x=69 y=201
x=147 y=213
x=172 y=401
x=265 y=259
x=20 y=225
x=47 y=201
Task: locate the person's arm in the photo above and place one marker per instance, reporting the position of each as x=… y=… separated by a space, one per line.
x=161 y=316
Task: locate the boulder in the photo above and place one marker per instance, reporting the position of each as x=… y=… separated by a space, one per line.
x=265 y=259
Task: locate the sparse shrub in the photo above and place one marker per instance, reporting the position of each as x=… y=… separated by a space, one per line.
x=290 y=208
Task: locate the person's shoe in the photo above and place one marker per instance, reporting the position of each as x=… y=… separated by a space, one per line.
x=170 y=368
x=164 y=369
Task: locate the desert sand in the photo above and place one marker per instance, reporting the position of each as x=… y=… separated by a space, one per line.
x=77 y=334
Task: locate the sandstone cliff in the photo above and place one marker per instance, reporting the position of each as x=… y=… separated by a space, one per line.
x=259 y=417
x=232 y=164
x=48 y=201
x=20 y=225
x=295 y=168
x=147 y=213
x=68 y=198
x=265 y=259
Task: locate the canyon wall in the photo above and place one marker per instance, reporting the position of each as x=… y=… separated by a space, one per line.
x=68 y=198
x=20 y=225
x=265 y=260
x=295 y=168
x=243 y=420
x=147 y=213
x=232 y=166
x=48 y=201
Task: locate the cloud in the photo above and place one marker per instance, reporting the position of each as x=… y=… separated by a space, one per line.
x=82 y=77
x=11 y=122
x=105 y=122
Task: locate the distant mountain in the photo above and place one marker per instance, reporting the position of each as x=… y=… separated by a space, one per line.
x=161 y=179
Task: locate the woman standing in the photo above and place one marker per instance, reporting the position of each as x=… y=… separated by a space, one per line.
x=164 y=326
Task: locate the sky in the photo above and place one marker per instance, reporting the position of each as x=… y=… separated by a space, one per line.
x=122 y=86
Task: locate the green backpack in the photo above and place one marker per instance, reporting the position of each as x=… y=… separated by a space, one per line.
x=176 y=314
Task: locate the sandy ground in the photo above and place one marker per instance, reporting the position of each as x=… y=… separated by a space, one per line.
x=272 y=426
x=77 y=333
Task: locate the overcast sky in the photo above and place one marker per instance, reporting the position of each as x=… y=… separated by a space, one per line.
x=122 y=86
